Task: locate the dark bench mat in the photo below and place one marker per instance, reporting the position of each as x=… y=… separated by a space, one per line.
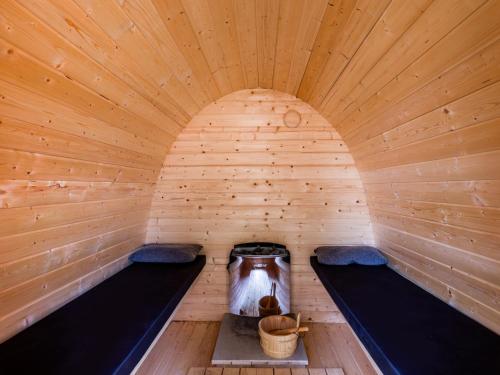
x=107 y=329
x=407 y=330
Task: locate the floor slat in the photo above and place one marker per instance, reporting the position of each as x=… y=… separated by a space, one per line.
x=264 y=371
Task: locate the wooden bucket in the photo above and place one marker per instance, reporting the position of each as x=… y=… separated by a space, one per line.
x=277 y=346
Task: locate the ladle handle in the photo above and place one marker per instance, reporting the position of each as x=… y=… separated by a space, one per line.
x=288 y=331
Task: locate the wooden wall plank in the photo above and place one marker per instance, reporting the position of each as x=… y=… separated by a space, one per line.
x=35 y=242
x=25 y=105
x=24 y=136
x=24 y=269
x=36 y=310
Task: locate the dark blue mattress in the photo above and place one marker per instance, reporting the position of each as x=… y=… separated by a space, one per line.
x=407 y=330
x=106 y=330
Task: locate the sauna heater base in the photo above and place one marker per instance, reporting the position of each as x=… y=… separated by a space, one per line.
x=238 y=344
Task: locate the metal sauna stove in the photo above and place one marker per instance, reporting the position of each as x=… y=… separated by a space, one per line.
x=258 y=271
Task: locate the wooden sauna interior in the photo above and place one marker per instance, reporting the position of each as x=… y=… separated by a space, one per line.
x=124 y=122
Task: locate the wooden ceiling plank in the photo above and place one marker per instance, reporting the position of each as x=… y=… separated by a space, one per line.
x=336 y=15
x=355 y=31
x=225 y=27
x=476 y=72
x=73 y=24
x=32 y=75
x=62 y=57
x=203 y=23
x=463 y=112
x=179 y=26
x=460 y=43
x=146 y=18
x=393 y=23
x=290 y=13
x=267 y=18
x=310 y=23
x=246 y=25
x=165 y=89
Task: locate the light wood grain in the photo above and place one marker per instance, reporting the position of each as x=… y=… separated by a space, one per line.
x=218 y=210
x=93 y=95
x=177 y=352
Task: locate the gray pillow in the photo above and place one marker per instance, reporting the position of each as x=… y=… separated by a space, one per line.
x=343 y=255
x=166 y=253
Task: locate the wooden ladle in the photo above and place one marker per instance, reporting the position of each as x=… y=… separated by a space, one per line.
x=271 y=296
x=287 y=331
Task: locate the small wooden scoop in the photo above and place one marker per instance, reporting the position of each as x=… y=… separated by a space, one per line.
x=288 y=331
x=272 y=296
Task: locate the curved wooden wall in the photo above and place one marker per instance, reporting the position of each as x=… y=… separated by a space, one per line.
x=79 y=154
x=418 y=106
x=237 y=174
x=106 y=86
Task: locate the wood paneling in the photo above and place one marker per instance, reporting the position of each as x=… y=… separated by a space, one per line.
x=302 y=192
x=81 y=145
x=417 y=104
x=92 y=95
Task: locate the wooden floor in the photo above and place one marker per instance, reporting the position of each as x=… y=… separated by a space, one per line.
x=263 y=371
x=190 y=344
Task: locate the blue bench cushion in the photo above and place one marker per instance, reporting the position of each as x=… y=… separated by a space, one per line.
x=107 y=329
x=165 y=253
x=407 y=330
x=344 y=255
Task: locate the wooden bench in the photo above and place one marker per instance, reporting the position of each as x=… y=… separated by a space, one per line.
x=106 y=330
